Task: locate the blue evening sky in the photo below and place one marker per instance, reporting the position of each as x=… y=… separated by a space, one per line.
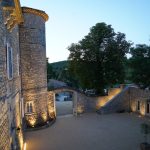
x=70 y=20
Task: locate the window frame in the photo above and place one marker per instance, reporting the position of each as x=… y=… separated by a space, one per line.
x=29 y=107
x=9 y=61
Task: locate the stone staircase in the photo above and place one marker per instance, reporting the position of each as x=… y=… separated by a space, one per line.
x=119 y=103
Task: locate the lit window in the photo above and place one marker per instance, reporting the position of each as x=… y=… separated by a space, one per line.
x=29 y=107
x=9 y=62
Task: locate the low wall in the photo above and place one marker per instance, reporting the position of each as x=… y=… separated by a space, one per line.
x=95 y=103
x=118 y=100
x=143 y=96
x=118 y=103
x=127 y=101
x=101 y=101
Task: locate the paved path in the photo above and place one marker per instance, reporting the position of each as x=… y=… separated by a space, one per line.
x=89 y=132
x=64 y=108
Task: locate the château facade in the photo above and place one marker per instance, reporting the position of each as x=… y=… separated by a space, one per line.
x=23 y=81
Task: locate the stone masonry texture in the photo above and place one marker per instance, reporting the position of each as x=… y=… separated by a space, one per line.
x=33 y=63
x=10 y=89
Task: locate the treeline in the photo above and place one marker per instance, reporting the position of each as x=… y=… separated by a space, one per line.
x=60 y=71
x=100 y=60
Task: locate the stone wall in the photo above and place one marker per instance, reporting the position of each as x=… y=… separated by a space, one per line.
x=51 y=104
x=79 y=101
x=4 y=121
x=4 y=127
x=33 y=65
x=118 y=103
x=102 y=100
x=127 y=100
x=143 y=96
x=10 y=89
x=92 y=104
x=14 y=91
x=118 y=100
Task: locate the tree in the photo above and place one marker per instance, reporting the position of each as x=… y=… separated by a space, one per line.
x=97 y=60
x=140 y=65
x=50 y=72
x=67 y=77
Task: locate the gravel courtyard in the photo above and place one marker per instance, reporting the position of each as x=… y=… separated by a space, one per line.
x=89 y=132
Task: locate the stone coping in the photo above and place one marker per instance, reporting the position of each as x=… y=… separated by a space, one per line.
x=35 y=12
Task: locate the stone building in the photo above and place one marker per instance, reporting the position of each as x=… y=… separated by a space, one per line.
x=23 y=81
x=24 y=100
x=33 y=65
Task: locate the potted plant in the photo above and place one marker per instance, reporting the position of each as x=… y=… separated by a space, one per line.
x=145 y=128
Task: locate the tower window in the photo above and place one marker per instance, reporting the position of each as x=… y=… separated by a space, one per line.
x=29 y=107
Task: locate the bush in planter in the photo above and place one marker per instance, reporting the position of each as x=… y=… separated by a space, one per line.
x=145 y=128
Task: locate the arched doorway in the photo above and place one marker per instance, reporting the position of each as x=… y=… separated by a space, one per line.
x=78 y=101
x=64 y=103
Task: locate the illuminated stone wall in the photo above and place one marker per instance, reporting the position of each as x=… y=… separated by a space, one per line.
x=51 y=104
x=80 y=101
x=4 y=127
x=143 y=96
x=102 y=100
x=10 y=89
x=33 y=65
x=4 y=121
x=127 y=100
x=118 y=103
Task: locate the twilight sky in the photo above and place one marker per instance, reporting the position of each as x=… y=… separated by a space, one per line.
x=70 y=20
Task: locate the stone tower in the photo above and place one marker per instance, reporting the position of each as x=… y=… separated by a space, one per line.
x=33 y=66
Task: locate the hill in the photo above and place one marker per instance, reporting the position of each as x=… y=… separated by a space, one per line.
x=59 y=66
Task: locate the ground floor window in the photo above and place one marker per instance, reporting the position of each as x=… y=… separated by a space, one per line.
x=29 y=107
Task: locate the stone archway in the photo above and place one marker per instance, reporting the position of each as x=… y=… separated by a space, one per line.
x=77 y=100
x=64 y=102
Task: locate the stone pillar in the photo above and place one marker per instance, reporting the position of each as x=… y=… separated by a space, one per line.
x=33 y=65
